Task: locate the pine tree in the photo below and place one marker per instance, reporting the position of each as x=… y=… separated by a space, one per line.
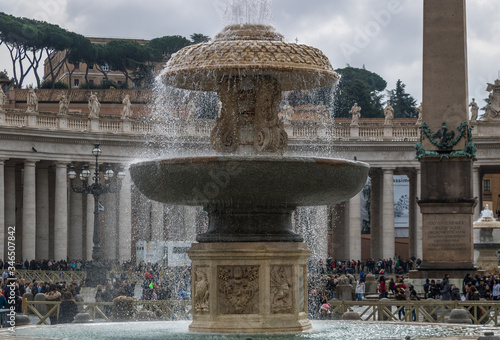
x=403 y=103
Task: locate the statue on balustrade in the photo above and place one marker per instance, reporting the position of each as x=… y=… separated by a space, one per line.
x=356 y=114
x=420 y=118
x=191 y=108
x=3 y=98
x=287 y=112
x=32 y=101
x=94 y=106
x=127 y=107
x=63 y=104
x=493 y=108
x=473 y=110
x=389 y=114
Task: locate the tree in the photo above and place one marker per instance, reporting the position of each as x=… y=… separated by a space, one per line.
x=403 y=103
x=199 y=38
x=168 y=45
x=359 y=86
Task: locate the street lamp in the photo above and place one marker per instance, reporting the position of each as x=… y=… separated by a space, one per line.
x=96 y=273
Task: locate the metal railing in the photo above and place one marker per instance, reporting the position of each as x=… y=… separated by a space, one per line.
x=480 y=312
x=161 y=309
x=50 y=275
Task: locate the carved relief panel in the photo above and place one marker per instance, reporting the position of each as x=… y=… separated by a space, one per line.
x=201 y=291
x=281 y=289
x=238 y=289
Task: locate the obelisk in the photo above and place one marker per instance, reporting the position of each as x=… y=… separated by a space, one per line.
x=446 y=151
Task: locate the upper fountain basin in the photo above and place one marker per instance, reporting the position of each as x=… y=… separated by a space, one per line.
x=250 y=180
x=249 y=50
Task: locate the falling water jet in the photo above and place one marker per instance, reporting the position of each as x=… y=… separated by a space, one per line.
x=250 y=267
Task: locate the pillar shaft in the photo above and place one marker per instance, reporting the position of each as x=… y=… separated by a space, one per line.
x=10 y=203
x=354 y=232
x=29 y=211
x=42 y=212
x=61 y=213
x=125 y=219
x=388 y=248
x=89 y=244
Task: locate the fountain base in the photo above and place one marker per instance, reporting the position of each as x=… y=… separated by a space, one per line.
x=249 y=287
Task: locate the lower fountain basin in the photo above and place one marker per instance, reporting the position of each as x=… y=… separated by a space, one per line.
x=170 y=330
x=265 y=181
x=250 y=199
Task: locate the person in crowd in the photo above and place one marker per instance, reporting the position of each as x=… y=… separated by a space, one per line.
x=414 y=297
x=400 y=296
x=360 y=289
x=53 y=295
x=382 y=287
x=67 y=309
x=455 y=293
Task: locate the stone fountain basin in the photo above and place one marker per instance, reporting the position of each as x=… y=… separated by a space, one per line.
x=250 y=180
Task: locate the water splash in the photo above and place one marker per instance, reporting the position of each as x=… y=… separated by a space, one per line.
x=240 y=12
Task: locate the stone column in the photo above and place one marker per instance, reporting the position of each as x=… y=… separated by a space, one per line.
x=89 y=244
x=418 y=221
x=29 y=210
x=447 y=202
x=375 y=214
x=125 y=219
x=476 y=185
x=42 y=212
x=157 y=221
x=354 y=232
x=3 y=229
x=75 y=227
x=109 y=242
x=388 y=248
x=10 y=202
x=340 y=225
x=61 y=212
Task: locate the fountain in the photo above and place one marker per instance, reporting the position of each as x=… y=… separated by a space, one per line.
x=249 y=268
x=487 y=247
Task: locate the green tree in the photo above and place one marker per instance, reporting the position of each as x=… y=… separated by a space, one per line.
x=168 y=45
x=403 y=103
x=198 y=38
x=361 y=86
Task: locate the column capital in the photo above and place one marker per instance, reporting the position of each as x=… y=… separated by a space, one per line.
x=388 y=169
x=61 y=164
x=31 y=162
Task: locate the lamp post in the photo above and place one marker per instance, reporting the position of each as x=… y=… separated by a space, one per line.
x=96 y=272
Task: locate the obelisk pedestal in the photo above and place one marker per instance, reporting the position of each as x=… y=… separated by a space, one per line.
x=446 y=151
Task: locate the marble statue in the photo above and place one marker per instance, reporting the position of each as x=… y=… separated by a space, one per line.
x=3 y=98
x=191 y=110
x=287 y=112
x=493 y=108
x=32 y=101
x=94 y=106
x=473 y=110
x=389 y=114
x=487 y=213
x=126 y=111
x=356 y=114
x=63 y=104
x=420 y=118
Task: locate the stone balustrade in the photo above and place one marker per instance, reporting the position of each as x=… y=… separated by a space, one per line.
x=369 y=129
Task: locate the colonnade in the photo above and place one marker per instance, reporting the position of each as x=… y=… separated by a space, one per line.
x=53 y=222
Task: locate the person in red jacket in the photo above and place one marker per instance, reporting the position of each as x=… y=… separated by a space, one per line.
x=382 y=288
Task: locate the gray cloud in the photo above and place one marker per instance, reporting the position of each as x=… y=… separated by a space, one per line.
x=355 y=32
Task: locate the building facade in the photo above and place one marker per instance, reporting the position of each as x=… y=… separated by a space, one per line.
x=52 y=221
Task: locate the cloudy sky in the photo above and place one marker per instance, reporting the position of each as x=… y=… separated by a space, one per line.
x=383 y=35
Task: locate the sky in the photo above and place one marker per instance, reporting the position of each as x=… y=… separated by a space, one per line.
x=383 y=35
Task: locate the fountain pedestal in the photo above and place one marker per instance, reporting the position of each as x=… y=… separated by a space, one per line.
x=249 y=287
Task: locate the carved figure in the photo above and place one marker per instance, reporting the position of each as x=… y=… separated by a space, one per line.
x=493 y=109
x=287 y=112
x=126 y=111
x=356 y=114
x=446 y=136
x=473 y=110
x=94 y=106
x=201 y=292
x=32 y=101
x=224 y=136
x=389 y=114
x=281 y=286
x=420 y=118
x=191 y=110
x=238 y=287
x=269 y=133
x=63 y=104
x=2 y=98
